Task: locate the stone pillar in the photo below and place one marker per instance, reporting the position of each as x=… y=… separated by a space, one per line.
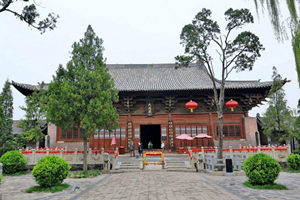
x=52 y=132
x=258 y=149
x=61 y=153
x=47 y=141
x=33 y=157
x=89 y=159
x=76 y=156
x=230 y=152
x=273 y=152
x=289 y=149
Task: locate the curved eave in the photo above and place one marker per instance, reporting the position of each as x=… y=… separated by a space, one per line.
x=23 y=90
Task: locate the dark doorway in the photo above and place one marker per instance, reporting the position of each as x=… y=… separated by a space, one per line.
x=150 y=133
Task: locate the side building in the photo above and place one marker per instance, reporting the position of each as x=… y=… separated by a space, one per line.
x=151 y=106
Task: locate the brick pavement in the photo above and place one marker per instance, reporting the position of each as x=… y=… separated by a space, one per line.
x=153 y=185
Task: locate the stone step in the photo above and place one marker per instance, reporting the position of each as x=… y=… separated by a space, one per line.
x=168 y=166
x=130 y=164
x=129 y=167
x=180 y=170
x=117 y=171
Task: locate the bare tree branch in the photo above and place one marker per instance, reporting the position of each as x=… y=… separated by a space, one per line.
x=6 y=6
x=23 y=19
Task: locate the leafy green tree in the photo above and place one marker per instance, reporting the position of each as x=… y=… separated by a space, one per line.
x=6 y=101
x=297 y=123
x=29 y=14
x=277 y=121
x=7 y=139
x=35 y=117
x=83 y=94
x=281 y=25
x=237 y=54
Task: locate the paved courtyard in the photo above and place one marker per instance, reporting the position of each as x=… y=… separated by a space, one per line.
x=154 y=185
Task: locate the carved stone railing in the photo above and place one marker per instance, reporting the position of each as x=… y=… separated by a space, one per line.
x=106 y=157
x=206 y=158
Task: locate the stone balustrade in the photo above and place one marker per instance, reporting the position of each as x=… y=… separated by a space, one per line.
x=94 y=157
x=207 y=157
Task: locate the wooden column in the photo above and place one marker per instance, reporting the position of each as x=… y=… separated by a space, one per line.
x=129 y=132
x=211 y=125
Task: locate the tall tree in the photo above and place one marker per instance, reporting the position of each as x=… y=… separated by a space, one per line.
x=35 y=116
x=83 y=94
x=238 y=54
x=297 y=123
x=6 y=101
x=29 y=14
x=277 y=121
x=7 y=141
x=281 y=25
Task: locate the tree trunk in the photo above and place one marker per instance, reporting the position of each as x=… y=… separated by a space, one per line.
x=220 y=119
x=85 y=154
x=220 y=138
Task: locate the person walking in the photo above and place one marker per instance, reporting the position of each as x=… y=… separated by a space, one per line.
x=131 y=148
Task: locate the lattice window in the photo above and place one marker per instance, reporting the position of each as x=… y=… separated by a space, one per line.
x=123 y=133
x=137 y=132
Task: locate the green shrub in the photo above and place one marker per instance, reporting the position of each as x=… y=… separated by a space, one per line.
x=294 y=161
x=13 y=162
x=50 y=171
x=261 y=169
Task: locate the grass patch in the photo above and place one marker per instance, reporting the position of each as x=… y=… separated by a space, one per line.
x=291 y=170
x=16 y=174
x=53 y=189
x=273 y=186
x=82 y=174
x=0 y=179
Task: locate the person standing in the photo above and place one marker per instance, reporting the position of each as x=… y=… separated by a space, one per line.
x=131 y=148
x=162 y=146
x=140 y=149
x=150 y=145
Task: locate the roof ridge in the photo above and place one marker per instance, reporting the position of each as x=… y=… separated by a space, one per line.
x=156 y=65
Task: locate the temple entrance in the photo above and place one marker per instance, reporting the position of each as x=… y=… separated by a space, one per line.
x=150 y=133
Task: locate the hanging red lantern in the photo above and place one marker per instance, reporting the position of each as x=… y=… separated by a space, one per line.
x=191 y=105
x=231 y=104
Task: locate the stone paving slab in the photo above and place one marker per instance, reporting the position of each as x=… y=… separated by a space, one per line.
x=234 y=185
x=156 y=185
x=12 y=187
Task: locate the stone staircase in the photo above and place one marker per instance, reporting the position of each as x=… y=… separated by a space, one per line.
x=127 y=164
x=174 y=162
x=179 y=166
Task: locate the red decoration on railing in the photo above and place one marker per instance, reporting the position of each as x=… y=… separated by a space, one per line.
x=196 y=150
x=54 y=152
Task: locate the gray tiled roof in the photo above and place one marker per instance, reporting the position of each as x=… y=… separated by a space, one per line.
x=164 y=77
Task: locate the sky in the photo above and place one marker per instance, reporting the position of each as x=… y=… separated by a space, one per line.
x=134 y=32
